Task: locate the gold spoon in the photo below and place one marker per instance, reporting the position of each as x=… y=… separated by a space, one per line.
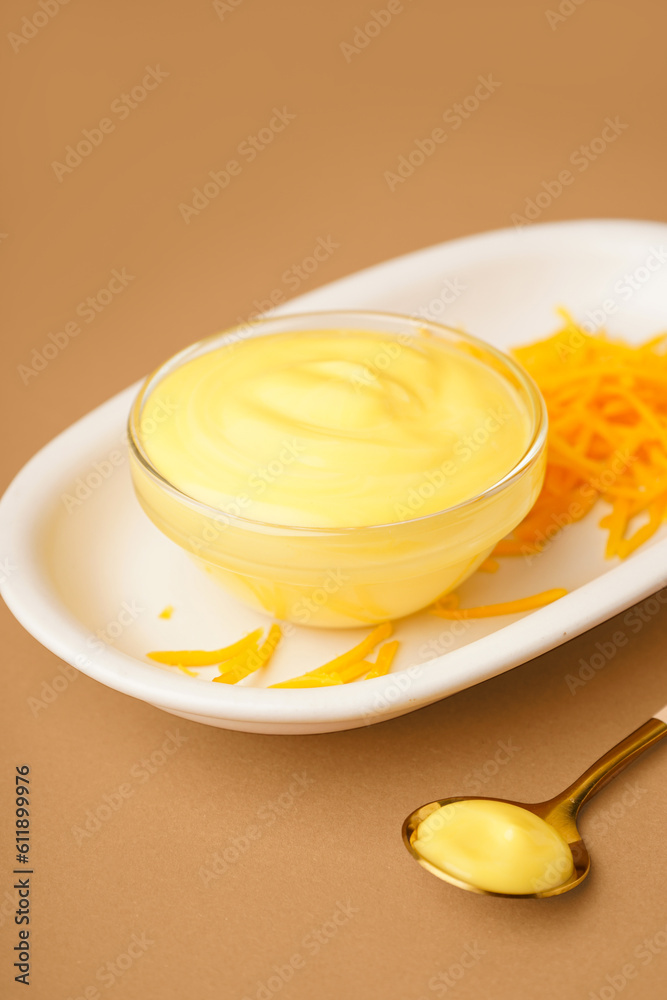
x=560 y=812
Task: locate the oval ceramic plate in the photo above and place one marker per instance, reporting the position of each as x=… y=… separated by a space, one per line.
x=87 y=573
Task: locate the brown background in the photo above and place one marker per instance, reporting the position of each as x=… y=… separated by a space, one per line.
x=339 y=840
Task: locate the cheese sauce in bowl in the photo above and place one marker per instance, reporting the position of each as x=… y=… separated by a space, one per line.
x=338 y=469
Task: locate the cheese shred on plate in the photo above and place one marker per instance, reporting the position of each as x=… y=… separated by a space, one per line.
x=245 y=656
x=607 y=405
x=352 y=665
x=447 y=607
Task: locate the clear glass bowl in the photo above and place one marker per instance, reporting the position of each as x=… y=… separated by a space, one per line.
x=344 y=577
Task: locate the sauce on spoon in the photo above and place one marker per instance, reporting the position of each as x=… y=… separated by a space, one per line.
x=495 y=846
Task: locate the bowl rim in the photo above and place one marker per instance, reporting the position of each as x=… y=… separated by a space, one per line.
x=257 y=328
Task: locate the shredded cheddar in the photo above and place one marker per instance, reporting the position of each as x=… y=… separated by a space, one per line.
x=453 y=612
x=167 y=612
x=186 y=670
x=251 y=659
x=384 y=660
x=359 y=651
x=344 y=668
x=350 y=673
x=245 y=656
x=204 y=657
x=607 y=405
x=450 y=600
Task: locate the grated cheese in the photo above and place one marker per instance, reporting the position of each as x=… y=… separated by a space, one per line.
x=607 y=405
x=444 y=609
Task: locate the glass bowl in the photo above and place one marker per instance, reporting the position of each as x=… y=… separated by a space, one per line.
x=348 y=576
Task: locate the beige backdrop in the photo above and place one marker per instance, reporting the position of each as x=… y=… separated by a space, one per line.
x=325 y=902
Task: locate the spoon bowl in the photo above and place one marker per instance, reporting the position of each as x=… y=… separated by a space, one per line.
x=560 y=812
x=560 y=819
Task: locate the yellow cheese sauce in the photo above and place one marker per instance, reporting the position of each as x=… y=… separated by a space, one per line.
x=335 y=428
x=495 y=846
x=311 y=455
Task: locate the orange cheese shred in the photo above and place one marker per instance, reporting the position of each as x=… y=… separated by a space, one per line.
x=344 y=668
x=384 y=660
x=204 y=657
x=245 y=656
x=506 y=608
x=607 y=406
x=250 y=659
x=186 y=670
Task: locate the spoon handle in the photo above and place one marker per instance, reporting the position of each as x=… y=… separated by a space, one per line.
x=615 y=760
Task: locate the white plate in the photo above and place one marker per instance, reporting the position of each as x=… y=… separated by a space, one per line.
x=101 y=565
